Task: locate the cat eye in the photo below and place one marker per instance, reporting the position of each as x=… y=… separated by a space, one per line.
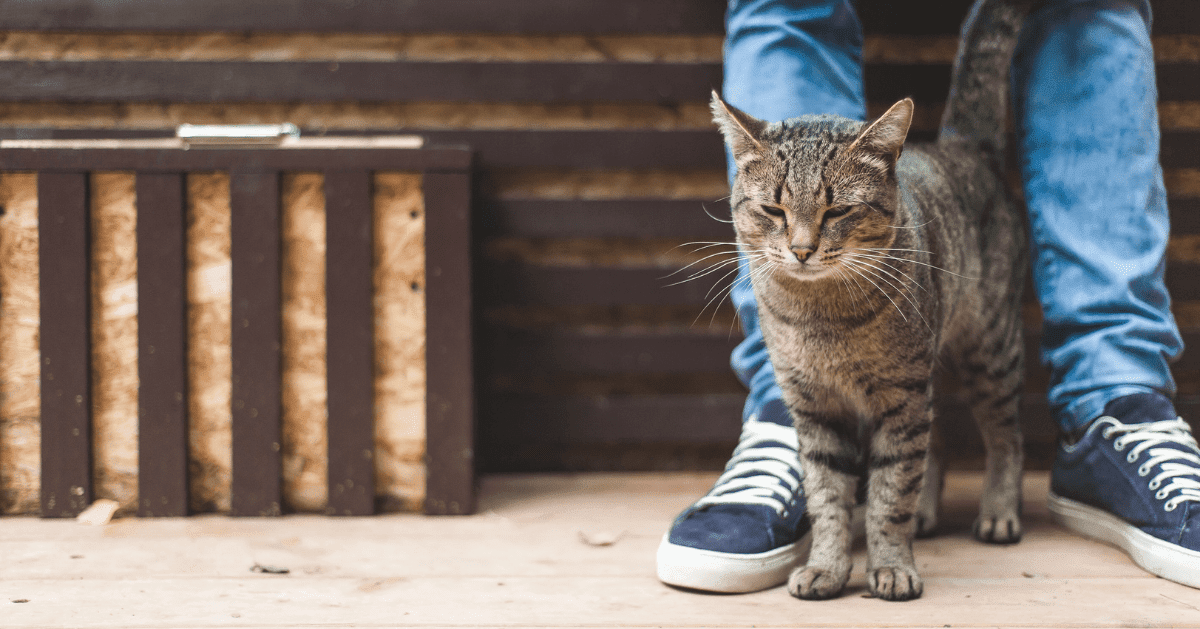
x=838 y=211
x=773 y=211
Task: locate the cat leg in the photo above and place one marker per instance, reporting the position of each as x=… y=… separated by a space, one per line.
x=899 y=451
x=829 y=457
x=995 y=388
x=930 y=499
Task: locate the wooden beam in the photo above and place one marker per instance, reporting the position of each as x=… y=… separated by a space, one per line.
x=449 y=366
x=350 y=346
x=256 y=340
x=162 y=345
x=64 y=237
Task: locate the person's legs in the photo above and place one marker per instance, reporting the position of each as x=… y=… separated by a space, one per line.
x=782 y=59
x=1087 y=131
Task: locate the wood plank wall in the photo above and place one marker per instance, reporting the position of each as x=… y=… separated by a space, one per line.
x=598 y=160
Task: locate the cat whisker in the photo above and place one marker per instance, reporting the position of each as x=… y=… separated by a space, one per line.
x=863 y=257
x=708 y=270
x=912 y=226
x=709 y=214
x=852 y=265
x=932 y=266
x=701 y=261
x=895 y=283
x=715 y=300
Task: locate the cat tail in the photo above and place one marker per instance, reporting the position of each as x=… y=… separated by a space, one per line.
x=977 y=108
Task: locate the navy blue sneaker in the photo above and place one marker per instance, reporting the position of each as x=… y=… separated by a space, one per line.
x=1133 y=481
x=749 y=531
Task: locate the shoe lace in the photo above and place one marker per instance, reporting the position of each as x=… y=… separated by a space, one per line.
x=764 y=469
x=1161 y=440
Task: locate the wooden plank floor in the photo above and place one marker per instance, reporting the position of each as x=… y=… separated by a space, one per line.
x=523 y=562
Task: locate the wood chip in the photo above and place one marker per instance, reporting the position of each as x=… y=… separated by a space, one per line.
x=100 y=513
x=600 y=538
x=269 y=569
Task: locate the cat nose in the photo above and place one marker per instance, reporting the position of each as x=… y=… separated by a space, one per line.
x=802 y=253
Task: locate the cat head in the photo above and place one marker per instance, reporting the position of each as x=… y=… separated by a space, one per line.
x=813 y=189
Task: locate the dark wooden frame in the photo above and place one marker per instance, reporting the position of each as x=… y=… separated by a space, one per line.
x=254 y=191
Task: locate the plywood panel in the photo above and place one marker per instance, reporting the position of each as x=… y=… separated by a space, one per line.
x=209 y=358
x=20 y=406
x=114 y=338
x=399 y=341
x=304 y=395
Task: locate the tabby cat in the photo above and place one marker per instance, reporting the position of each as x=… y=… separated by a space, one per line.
x=874 y=263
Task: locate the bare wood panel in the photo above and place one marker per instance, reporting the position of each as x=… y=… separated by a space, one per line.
x=66 y=434
x=162 y=346
x=450 y=388
x=350 y=345
x=256 y=338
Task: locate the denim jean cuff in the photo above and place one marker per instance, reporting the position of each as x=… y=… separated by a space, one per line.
x=1076 y=415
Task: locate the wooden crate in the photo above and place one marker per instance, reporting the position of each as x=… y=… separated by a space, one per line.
x=245 y=330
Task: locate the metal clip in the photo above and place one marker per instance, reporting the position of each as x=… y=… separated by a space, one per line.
x=226 y=135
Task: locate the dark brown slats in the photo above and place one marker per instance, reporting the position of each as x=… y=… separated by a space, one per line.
x=350 y=346
x=65 y=286
x=472 y=16
x=319 y=81
x=624 y=218
x=610 y=418
x=256 y=338
x=1185 y=216
x=1180 y=148
x=475 y=16
x=450 y=382
x=683 y=219
x=515 y=283
x=255 y=81
x=508 y=283
x=162 y=346
x=159 y=160
x=518 y=351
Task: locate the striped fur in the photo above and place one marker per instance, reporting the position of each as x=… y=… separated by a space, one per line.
x=875 y=264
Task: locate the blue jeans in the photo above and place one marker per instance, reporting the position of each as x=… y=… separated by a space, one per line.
x=1087 y=138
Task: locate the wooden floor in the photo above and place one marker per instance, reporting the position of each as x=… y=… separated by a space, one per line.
x=526 y=561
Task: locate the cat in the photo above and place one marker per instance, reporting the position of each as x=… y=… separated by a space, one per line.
x=874 y=263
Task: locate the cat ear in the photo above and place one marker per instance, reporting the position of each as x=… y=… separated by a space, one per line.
x=741 y=130
x=886 y=135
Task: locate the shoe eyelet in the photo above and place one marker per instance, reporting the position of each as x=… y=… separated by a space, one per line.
x=1170 y=505
x=1131 y=458
x=1119 y=445
x=1162 y=493
x=1154 y=484
x=1143 y=470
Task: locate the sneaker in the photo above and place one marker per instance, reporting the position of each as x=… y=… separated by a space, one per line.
x=1133 y=481
x=749 y=531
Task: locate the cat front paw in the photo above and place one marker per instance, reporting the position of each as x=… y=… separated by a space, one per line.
x=998 y=529
x=816 y=584
x=895 y=583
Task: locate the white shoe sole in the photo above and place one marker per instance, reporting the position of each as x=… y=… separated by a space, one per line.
x=713 y=571
x=731 y=573
x=1154 y=555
